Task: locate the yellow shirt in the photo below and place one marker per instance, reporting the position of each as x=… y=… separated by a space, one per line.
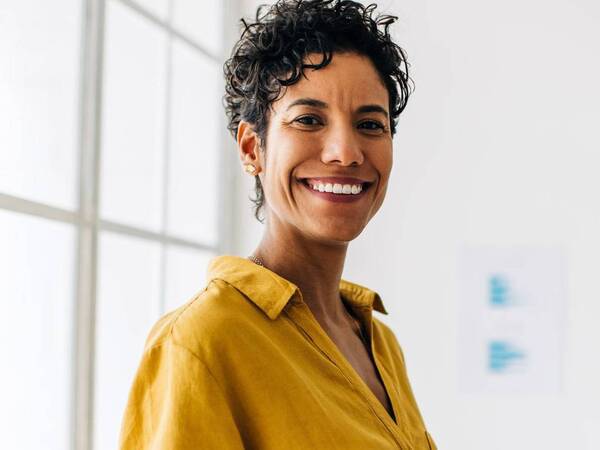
x=245 y=365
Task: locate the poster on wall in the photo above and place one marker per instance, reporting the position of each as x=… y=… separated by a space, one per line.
x=512 y=306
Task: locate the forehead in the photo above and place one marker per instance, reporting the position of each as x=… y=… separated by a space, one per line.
x=348 y=81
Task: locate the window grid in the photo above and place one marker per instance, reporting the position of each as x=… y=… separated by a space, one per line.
x=86 y=217
x=32 y=208
x=166 y=157
x=166 y=25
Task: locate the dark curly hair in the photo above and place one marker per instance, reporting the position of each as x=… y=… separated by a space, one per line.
x=270 y=55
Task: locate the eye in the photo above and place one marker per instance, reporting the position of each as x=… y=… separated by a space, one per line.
x=308 y=120
x=372 y=125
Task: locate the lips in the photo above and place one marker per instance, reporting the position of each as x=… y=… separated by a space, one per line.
x=330 y=188
x=336 y=180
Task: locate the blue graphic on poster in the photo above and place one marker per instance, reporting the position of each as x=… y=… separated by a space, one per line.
x=511 y=310
x=499 y=290
x=504 y=356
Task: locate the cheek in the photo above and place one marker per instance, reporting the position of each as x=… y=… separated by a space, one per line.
x=383 y=163
x=290 y=151
x=279 y=177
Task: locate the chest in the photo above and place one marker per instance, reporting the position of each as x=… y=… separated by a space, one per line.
x=320 y=386
x=360 y=358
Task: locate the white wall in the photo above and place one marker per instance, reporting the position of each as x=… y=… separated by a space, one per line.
x=496 y=146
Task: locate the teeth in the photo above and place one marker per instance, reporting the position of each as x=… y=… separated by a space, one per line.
x=347 y=189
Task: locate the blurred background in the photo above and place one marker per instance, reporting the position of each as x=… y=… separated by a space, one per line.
x=119 y=182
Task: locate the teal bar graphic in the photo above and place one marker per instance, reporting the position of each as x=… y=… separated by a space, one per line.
x=498 y=290
x=503 y=356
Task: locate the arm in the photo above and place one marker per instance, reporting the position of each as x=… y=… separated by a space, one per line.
x=175 y=403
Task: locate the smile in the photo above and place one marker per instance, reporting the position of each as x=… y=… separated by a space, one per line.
x=336 y=193
x=336 y=188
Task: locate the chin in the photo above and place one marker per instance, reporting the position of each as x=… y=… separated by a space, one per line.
x=336 y=233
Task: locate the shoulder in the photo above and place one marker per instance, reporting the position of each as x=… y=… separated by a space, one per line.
x=205 y=320
x=384 y=331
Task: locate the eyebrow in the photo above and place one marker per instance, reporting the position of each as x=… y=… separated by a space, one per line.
x=307 y=102
x=322 y=105
x=373 y=108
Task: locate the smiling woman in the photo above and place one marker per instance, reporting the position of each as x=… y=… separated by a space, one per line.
x=278 y=351
x=326 y=128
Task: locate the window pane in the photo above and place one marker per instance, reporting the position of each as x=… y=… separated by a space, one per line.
x=39 y=88
x=159 y=8
x=201 y=21
x=133 y=119
x=127 y=306
x=194 y=145
x=186 y=274
x=36 y=296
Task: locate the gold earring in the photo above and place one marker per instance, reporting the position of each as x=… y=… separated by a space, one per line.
x=250 y=169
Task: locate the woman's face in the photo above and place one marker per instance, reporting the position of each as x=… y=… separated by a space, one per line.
x=333 y=123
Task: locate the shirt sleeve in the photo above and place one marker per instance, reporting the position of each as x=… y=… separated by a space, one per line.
x=432 y=445
x=175 y=403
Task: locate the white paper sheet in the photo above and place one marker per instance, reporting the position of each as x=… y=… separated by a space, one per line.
x=511 y=325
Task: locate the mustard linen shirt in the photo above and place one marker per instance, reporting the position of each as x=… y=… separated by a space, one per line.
x=245 y=365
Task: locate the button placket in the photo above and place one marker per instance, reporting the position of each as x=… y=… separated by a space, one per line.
x=301 y=315
x=386 y=379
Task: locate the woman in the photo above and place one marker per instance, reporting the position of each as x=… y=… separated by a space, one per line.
x=279 y=352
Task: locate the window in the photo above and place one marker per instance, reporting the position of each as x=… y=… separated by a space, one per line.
x=112 y=138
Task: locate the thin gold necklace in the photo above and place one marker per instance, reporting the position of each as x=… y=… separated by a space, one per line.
x=256 y=260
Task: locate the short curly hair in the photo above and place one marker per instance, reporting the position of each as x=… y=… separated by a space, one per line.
x=270 y=55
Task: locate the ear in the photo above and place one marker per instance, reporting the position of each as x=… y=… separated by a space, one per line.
x=248 y=144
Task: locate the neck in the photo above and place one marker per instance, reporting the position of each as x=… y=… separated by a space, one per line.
x=315 y=267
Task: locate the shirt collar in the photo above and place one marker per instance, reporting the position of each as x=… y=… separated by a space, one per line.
x=271 y=292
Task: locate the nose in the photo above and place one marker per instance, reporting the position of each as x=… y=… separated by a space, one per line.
x=342 y=146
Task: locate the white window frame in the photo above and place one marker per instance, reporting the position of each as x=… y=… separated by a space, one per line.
x=86 y=217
